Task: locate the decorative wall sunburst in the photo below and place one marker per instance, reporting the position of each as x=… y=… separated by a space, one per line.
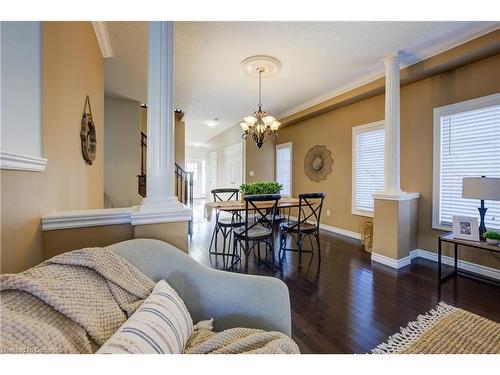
x=318 y=163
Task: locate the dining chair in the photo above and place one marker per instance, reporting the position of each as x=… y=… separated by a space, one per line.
x=225 y=223
x=306 y=225
x=259 y=222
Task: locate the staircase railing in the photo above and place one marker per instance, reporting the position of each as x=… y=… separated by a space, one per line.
x=183 y=180
x=141 y=178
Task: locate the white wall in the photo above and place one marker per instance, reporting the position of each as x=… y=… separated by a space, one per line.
x=122 y=152
x=21 y=89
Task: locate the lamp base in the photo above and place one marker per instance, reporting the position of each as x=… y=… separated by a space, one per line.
x=482 y=213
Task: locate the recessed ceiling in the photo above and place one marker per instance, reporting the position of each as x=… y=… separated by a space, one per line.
x=318 y=59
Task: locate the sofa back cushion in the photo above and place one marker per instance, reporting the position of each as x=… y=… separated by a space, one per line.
x=161 y=325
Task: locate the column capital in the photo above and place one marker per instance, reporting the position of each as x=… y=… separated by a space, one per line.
x=392 y=59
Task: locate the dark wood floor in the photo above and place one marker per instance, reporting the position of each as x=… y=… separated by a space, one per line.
x=348 y=304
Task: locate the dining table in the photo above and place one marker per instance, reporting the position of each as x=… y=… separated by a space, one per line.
x=235 y=206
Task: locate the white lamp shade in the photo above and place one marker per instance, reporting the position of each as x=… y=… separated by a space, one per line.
x=268 y=120
x=250 y=120
x=487 y=188
x=244 y=126
x=275 y=125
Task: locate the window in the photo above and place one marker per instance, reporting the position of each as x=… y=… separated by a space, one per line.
x=466 y=144
x=367 y=166
x=284 y=167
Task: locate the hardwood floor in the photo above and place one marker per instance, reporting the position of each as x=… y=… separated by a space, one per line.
x=348 y=304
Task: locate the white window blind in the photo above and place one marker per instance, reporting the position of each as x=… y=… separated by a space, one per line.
x=368 y=166
x=469 y=146
x=284 y=168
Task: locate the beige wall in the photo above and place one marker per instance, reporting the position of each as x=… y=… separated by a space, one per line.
x=334 y=129
x=261 y=161
x=122 y=152
x=72 y=68
x=62 y=240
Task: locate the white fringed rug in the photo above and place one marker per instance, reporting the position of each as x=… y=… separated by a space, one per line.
x=445 y=330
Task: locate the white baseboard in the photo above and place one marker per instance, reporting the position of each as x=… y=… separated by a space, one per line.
x=462 y=264
x=394 y=263
x=329 y=228
x=419 y=253
x=341 y=231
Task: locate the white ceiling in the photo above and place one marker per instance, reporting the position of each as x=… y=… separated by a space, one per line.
x=318 y=60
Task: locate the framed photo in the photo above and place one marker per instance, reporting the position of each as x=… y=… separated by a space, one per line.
x=466 y=228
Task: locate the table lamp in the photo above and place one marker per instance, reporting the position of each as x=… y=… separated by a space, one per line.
x=484 y=188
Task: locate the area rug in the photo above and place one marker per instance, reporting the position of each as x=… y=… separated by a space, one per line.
x=445 y=330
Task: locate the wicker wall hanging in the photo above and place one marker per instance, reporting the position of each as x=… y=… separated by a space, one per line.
x=88 y=137
x=318 y=163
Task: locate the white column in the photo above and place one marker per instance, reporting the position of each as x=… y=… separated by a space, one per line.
x=160 y=204
x=392 y=65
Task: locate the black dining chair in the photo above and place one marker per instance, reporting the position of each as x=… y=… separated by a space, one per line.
x=224 y=223
x=307 y=225
x=258 y=226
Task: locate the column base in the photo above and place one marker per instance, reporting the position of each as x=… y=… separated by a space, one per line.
x=160 y=210
x=394 y=228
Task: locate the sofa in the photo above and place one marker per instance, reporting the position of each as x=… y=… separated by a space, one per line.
x=231 y=299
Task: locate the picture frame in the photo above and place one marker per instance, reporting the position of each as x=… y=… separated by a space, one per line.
x=466 y=228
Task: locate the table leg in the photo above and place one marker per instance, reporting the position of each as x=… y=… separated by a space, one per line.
x=439 y=261
x=456 y=258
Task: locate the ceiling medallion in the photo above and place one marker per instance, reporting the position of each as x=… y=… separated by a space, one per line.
x=260 y=125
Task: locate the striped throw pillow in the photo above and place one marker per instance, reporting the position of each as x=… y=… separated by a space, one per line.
x=161 y=325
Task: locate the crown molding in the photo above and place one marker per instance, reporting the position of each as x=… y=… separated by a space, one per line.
x=18 y=162
x=379 y=71
x=101 y=32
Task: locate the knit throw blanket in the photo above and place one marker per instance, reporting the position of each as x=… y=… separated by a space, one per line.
x=71 y=303
x=238 y=341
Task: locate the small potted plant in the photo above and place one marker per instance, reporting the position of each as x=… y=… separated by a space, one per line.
x=263 y=187
x=492 y=237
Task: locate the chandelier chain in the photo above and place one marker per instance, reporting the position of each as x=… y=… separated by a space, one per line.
x=260 y=87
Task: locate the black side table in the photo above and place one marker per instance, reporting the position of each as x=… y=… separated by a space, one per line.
x=481 y=245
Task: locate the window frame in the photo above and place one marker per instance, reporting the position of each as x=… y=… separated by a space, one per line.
x=464 y=106
x=377 y=125
x=278 y=147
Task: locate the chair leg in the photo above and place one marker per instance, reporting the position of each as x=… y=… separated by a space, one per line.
x=319 y=246
x=271 y=252
x=216 y=237
x=299 y=248
x=212 y=239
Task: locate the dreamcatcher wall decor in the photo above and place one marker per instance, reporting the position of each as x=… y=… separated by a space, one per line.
x=88 y=136
x=318 y=163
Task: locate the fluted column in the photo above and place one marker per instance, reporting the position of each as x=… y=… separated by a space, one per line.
x=392 y=126
x=161 y=141
x=395 y=212
x=160 y=204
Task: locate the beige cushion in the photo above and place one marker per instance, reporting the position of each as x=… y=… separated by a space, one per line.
x=161 y=325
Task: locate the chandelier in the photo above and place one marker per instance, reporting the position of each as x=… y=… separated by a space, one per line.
x=260 y=125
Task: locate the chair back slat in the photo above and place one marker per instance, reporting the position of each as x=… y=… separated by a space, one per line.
x=218 y=194
x=313 y=204
x=260 y=213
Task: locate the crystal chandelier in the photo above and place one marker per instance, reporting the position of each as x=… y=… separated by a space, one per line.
x=260 y=125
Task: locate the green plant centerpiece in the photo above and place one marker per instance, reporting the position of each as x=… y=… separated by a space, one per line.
x=492 y=237
x=262 y=187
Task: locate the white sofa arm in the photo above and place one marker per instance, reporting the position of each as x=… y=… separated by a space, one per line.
x=231 y=299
